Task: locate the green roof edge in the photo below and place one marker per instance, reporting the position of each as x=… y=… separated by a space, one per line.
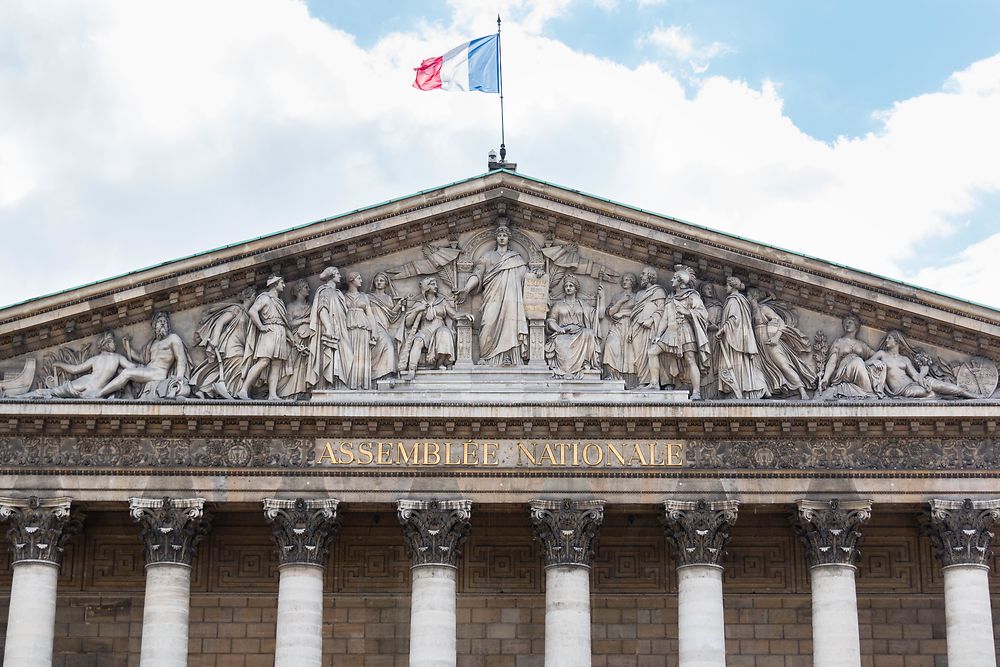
x=472 y=178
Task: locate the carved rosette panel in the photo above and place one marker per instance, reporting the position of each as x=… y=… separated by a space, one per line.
x=698 y=530
x=960 y=530
x=171 y=529
x=303 y=530
x=435 y=530
x=39 y=527
x=567 y=529
x=829 y=530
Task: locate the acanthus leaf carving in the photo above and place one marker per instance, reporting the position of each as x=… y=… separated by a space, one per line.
x=698 y=530
x=435 y=530
x=829 y=529
x=567 y=529
x=39 y=527
x=961 y=530
x=303 y=530
x=171 y=528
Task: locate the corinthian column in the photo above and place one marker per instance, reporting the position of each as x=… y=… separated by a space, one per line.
x=40 y=528
x=829 y=531
x=171 y=530
x=698 y=532
x=435 y=531
x=567 y=530
x=960 y=531
x=303 y=531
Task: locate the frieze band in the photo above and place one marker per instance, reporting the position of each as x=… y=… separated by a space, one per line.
x=822 y=454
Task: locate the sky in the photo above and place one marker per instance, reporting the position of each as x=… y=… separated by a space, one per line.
x=863 y=133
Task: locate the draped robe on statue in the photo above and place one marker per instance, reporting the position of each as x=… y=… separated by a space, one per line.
x=739 y=361
x=504 y=325
x=330 y=353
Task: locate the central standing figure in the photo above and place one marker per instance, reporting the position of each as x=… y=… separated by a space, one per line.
x=503 y=331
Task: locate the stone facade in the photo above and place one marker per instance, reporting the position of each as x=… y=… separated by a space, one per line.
x=546 y=494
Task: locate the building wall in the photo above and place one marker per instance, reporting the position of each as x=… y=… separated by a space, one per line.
x=501 y=594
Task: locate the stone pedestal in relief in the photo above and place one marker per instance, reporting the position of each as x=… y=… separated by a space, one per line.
x=567 y=531
x=961 y=533
x=303 y=531
x=171 y=532
x=698 y=532
x=829 y=531
x=435 y=532
x=40 y=528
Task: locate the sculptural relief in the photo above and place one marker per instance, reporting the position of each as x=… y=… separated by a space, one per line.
x=573 y=344
x=549 y=292
x=738 y=364
x=330 y=352
x=782 y=345
x=680 y=348
x=387 y=309
x=162 y=369
x=222 y=333
x=622 y=349
x=430 y=334
x=503 y=330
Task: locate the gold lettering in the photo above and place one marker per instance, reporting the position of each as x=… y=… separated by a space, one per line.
x=547 y=453
x=612 y=449
x=436 y=453
x=576 y=454
x=637 y=451
x=470 y=454
x=675 y=453
x=521 y=449
x=347 y=451
x=562 y=447
x=490 y=456
x=382 y=454
x=600 y=455
x=447 y=456
x=652 y=454
x=407 y=457
x=327 y=454
x=365 y=454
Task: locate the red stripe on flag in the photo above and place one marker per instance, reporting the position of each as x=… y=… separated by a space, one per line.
x=428 y=74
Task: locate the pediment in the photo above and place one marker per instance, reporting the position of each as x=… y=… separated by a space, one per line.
x=445 y=233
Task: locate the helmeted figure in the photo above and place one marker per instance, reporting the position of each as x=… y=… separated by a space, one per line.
x=680 y=345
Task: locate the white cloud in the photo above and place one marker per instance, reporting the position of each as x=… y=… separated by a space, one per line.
x=678 y=43
x=133 y=134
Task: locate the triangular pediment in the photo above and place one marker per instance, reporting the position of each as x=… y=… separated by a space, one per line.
x=444 y=232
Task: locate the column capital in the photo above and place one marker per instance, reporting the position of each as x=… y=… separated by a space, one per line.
x=171 y=528
x=829 y=529
x=303 y=530
x=40 y=527
x=699 y=530
x=567 y=529
x=435 y=530
x=961 y=530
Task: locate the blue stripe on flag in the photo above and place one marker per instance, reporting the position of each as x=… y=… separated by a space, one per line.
x=483 y=70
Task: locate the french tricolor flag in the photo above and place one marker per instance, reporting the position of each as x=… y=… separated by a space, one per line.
x=470 y=66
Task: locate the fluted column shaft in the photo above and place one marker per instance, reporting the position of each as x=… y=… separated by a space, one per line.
x=567 y=531
x=39 y=532
x=303 y=531
x=962 y=537
x=171 y=531
x=435 y=532
x=698 y=531
x=829 y=531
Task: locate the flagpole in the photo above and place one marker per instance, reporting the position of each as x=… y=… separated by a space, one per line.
x=503 y=147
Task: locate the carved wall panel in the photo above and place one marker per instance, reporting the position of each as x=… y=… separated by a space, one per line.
x=632 y=557
x=500 y=556
x=368 y=556
x=114 y=560
x=889 y=563
x=763 y=559
x=242 y=560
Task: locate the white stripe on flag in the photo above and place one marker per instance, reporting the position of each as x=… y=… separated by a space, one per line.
x=455 y=69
